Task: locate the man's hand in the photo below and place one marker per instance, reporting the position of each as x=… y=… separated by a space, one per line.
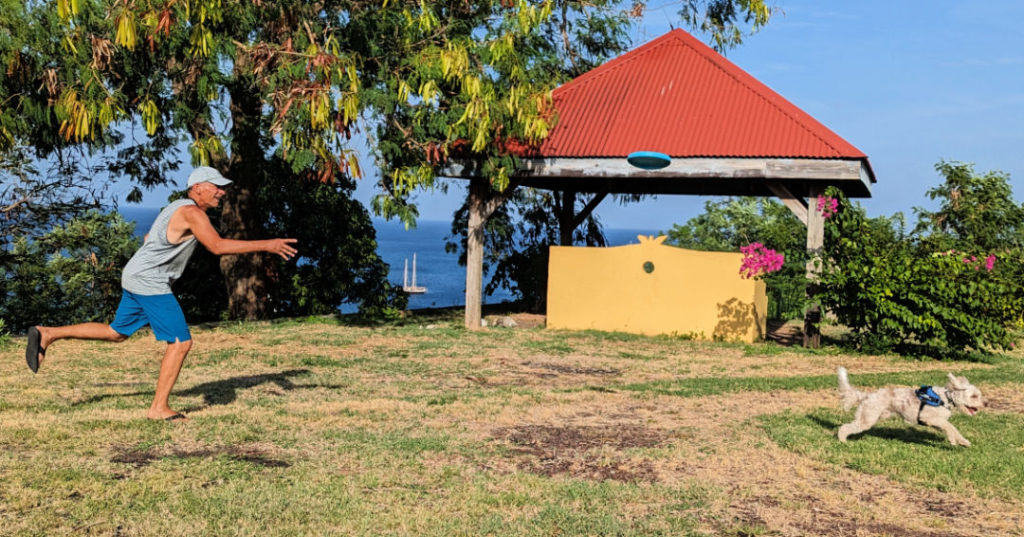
x=283 y=248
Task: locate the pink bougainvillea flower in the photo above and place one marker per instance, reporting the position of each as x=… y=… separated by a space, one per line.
x=827 y=206
x=758 y=260
x=990 y=262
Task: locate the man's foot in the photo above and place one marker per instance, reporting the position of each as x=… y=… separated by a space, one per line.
x=166 y=415
x=35 y=351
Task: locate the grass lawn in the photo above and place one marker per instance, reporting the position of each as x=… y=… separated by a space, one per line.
x=317 y=427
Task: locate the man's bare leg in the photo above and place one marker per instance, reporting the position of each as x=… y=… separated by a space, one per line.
x=93 y=331
x=169 y=369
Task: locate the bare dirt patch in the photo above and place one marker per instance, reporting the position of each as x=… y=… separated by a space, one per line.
x=547 y=438
x=584 y=452
x=572 y=370
x=614 y=469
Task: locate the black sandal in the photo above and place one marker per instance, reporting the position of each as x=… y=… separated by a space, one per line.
x=32 y=350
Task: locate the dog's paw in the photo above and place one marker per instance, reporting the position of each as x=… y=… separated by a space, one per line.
x=959 y=441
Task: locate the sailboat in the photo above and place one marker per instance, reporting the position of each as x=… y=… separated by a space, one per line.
x=411 y=289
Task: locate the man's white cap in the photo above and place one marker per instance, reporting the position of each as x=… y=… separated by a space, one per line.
x=206 y=174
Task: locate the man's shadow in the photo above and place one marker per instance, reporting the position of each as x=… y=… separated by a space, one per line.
x=225 y=391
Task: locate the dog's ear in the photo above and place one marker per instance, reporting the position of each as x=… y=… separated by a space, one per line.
x=957 y=382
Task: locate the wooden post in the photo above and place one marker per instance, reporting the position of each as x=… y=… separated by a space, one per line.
x=475 y=251
x=815 y=247
x=567 y=221
x=566 y=217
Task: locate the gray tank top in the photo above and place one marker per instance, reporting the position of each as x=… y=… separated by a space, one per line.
x=156 y=265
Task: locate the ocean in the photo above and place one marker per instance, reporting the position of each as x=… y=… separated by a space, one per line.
x=436 y=269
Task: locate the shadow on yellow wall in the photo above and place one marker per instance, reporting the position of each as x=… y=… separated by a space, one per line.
x=650 y=288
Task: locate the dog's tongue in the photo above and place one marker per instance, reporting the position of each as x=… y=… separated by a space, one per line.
x=970 y=410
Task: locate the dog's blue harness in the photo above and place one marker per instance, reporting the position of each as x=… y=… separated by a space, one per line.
x=928 y=397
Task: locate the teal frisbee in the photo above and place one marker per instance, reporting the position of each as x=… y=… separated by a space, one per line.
x=648 y=160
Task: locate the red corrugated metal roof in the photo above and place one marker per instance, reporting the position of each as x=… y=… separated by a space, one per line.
x=677 y=96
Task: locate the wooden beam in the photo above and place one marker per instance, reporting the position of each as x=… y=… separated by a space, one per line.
x=591 y=205
x=812 y=169
x=686 y=175
x=567 y=220
x=700 y=176
x=765 y=168
x=796 y=204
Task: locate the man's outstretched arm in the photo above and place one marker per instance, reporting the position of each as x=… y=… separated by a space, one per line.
x=204 y=232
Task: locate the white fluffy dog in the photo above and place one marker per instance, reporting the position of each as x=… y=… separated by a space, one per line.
x=904 y=402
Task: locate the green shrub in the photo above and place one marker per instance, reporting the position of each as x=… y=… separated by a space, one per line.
x=896 y=293
x=70 y=274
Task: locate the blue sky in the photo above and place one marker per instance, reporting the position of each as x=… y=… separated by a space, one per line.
x=908 y=83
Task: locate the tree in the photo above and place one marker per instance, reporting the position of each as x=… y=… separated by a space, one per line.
x=976 y=212
x=245 y=83
x=182 y=70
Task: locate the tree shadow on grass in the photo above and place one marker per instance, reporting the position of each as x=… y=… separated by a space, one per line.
x=225 y=391
x=907 y=434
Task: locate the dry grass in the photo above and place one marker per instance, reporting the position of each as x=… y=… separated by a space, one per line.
x=317 y=428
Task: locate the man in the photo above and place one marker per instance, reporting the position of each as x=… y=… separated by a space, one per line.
x=146 y=281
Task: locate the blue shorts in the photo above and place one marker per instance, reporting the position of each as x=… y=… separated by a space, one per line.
x=161 y=312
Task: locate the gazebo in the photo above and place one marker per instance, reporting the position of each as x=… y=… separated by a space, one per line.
x=726 y=133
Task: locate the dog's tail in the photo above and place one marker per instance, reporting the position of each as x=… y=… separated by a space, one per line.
x=848 y=395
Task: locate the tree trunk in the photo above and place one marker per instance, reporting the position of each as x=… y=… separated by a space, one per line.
x=482 y=203
x=247 y=275
x=475 y=251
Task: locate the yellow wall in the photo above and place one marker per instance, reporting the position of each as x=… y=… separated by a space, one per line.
x=699 y=294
